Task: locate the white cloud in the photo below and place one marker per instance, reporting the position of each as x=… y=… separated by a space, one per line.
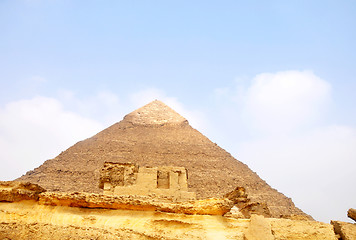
x=35 y=130
x=284 y=101
x=316 y=168
x=103 y=106
x=286 y=140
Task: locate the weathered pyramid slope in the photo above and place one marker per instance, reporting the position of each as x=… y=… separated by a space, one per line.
x=155 y=135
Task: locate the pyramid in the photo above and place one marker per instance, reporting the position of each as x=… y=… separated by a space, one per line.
x=156 y=135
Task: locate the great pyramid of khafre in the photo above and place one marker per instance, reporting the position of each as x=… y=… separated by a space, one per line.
x=155 y=135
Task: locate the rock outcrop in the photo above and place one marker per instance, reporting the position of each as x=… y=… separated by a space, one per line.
x=28 y=220
x=259 y=228
x=11 y=191
x=131 y=202
x=346 y=231
x=59 y=215
x=155 y=135
x=244 y=204
x=283 y=229
x=352 y=214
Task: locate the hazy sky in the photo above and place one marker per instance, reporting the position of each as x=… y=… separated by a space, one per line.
x=272 y=82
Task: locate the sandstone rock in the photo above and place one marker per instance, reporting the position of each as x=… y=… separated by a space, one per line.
x=29 y=220
x=258 y=208
x=131 y=202
x=298 y=217
x=347 y=231
x=283 y=229
x=259 y=228
x=245 y=206
x=13 y=191
x=352 y=214
x=238 y=195
x=211 y=206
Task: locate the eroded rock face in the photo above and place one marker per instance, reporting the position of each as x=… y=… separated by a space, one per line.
x=237 y=196
x=131 y=202
x=245 y=206
x=347 y=231
x=283 y=229
x=12 y=191
x=259 y=228
x=97 y=216
x=30 y=220
x=257 y=208
x=352 y=214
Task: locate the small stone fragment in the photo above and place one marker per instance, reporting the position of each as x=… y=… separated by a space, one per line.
x=259 y=228
x=352 y=214
x=347 y=231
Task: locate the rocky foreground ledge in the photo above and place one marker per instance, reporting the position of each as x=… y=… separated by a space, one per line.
x=18 y=191
x=27 y=211
x=211 y=206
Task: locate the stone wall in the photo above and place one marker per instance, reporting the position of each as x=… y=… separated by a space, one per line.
x=165 y=182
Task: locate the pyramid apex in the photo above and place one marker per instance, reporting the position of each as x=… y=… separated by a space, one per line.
x=155 y=113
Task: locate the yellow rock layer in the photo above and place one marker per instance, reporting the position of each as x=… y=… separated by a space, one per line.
x=30 y=220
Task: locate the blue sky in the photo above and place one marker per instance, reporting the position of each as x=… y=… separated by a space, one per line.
x=271 y=82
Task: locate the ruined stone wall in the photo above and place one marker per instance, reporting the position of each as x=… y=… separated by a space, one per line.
x=164 y=182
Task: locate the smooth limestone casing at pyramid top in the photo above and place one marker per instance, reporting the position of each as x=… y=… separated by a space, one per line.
x=155 y=135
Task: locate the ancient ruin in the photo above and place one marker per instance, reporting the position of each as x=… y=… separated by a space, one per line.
x=166 y=183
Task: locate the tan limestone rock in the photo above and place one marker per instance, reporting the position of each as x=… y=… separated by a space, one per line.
x=352 y=214
x=31 y=220
x=239 y=197
x=258 y=208
x=347 y=231
x=259 y=228
x=27 y=220
x=284 y=229
x=132 y=202
x=211 y=206
x=298 y=217
x=13 y=191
